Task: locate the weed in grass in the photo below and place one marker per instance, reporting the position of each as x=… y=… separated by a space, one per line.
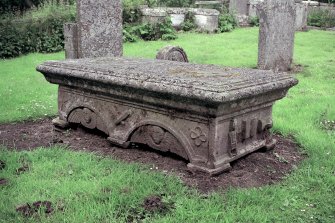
x=2 y=165
x=328 y=125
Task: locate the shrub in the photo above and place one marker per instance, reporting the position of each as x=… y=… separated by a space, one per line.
x=128 y=36
x=37 y=31
x=227 y=22
x=188 y=24
x=321 y=18
x=21 y=5
x=41 y=29
x=148 y=32
x=131 y=12
x=254 y=21
x=174 y=3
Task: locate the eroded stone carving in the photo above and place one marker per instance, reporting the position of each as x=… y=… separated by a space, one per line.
x=160 y=139
x=87 y=118
x=173 y=53
x=207 y=114
x=198 y=136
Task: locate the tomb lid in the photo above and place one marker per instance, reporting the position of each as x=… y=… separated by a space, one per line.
x=210 y=83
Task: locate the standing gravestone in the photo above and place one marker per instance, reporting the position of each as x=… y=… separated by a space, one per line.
x=99 y=28
x=276 y=35
x=301 y=16
x=71 y=40
x=240 y=7
x=98 y=31
x=173 y=53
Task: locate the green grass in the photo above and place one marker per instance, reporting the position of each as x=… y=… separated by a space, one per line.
x=24 y=93
x=77 y=180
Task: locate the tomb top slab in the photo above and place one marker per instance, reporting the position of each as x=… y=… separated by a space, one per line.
x=211 y=83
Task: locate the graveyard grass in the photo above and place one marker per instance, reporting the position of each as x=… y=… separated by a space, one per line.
x=90 y=188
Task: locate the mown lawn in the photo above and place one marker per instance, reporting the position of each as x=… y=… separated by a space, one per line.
x=89 y=188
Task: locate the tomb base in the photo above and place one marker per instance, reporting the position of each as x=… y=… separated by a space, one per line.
x=208 y=115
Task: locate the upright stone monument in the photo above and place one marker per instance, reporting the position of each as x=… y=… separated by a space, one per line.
x=276 y=35
x=71 y=40
x=301 y=16
x=98 y=31
x=240 y=7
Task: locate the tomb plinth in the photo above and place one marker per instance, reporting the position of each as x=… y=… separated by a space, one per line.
x=207 y=114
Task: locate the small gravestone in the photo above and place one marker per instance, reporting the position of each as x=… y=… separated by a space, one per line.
x=173 y=53
x=276 y=35
x=99 y=25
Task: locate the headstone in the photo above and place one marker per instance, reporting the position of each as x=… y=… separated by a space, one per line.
x=173 y=53
x=71 y=41
x=240 y=7
x=253 y=7
x=276 y=34
x=99 y=26
x=301 y=16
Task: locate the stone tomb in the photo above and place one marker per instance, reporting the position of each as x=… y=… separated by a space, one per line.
x=207 y=114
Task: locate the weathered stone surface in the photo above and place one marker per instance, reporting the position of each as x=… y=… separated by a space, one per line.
x=177 y=20
x=207 y=114
x=240 y=7
x=153 y=15
x=301 y=16
x=205 y=19
x=253 y=7
x=99 y=26
x=276 y=35
x=71 y=40
x=173 y=53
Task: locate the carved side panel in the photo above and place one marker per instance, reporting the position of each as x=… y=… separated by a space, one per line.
x=243 y=134
x=87 y=118
x=125 y=123
x=158 y=138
